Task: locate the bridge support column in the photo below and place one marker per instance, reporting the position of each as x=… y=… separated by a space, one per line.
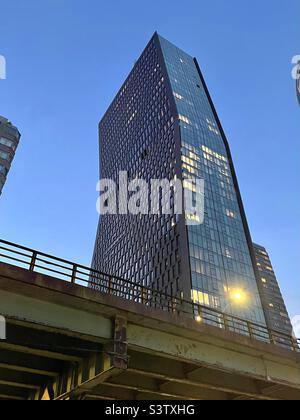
x=80 y=379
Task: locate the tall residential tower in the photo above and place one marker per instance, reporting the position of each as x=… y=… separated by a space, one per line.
x=277 y=316
x=163 y=124
x=9 y=140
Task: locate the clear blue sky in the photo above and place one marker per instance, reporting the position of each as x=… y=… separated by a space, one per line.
x=67 y=58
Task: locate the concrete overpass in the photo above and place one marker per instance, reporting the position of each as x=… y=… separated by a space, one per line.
x=66 y=341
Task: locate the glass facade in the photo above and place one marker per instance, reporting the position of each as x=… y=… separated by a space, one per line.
x=9 y=140
x=276 y=313
x=222 y=269
x=160 y=125
x=139 y=134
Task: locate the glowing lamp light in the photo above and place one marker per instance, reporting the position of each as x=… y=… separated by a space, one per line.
x=238 y=296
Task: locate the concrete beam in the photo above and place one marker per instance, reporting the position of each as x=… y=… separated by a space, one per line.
x=235 y=361
x=11 y=397
x=148 y=391
x=63 y=318
x=210 y=383
x=18 y=385
x=24 y=369
x=57 y=307
x=38 y=352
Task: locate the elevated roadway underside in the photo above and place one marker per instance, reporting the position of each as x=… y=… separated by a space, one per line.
x=65 y=341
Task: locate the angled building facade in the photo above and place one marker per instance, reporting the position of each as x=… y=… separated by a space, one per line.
x=163 y=124
x=277 y=316
x=9 y=140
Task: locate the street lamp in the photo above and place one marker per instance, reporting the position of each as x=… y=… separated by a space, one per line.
x=199 y=318
x=238 y=296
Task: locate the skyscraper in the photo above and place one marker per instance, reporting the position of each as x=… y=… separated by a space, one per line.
x=9 y=140
x=163 y=124
x=275 y=310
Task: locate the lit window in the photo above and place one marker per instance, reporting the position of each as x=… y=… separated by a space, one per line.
x=216 y=302
x=200 y=297
x=192 y=155
x=195 y=296
x=214 y=130
x=264 y=280
x=228 y=253
x=192 y=217
x=263 y=253
x=230 y=213
x=215 y=154
x=188 y=161
x=189 y=186
x=132 y=117
x=188 y=168
x=204 y=298
x=184 y=119
x=178 y=96
x=271 y=305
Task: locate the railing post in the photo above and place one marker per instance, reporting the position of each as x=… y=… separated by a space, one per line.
x=173 y=304
x=200 y=314
x=110 y=285
x=272 y=341
x=226 y=324
x=33 y=261
x=143 y=295
x=74 y=272
x=250 y=330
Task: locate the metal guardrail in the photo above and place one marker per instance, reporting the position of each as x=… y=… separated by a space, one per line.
x=39 y=262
